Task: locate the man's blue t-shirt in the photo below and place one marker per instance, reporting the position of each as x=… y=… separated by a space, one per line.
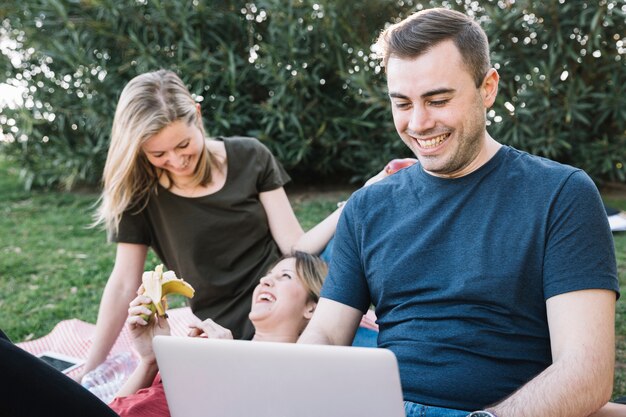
x=459 y=270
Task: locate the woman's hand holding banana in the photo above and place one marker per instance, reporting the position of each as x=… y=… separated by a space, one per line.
x=142 y=331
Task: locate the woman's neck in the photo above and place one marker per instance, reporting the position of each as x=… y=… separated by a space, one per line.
x=188 y=186
x=275 y=336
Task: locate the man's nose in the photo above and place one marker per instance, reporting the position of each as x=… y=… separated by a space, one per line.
x=421 y=120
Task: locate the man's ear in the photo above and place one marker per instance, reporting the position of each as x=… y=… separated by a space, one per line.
x=489 y=88
x=309 y=309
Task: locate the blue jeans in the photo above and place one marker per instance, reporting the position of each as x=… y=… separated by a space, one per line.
x=365 y=337
x=419 y=410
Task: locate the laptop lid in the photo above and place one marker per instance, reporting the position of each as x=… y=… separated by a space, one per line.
x=234 y=378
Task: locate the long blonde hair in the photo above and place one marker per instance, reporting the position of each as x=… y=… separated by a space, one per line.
x=149 y=103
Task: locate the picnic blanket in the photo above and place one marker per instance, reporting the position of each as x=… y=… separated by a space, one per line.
x=74 y=337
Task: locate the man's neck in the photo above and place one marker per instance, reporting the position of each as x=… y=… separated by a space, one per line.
x=488 y=150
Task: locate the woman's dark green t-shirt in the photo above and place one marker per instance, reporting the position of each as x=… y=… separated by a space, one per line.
x=220 y=243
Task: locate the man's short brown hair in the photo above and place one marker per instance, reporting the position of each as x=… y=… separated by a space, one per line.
x=423 y=30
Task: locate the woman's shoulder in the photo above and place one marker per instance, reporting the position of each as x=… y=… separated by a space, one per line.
x=246 y=148
x=245 y=141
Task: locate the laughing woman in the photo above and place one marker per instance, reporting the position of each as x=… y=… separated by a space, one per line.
x=282 y=304
x=212 y=209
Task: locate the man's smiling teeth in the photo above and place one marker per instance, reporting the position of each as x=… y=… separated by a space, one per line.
x=266 y=297
x=431 y=143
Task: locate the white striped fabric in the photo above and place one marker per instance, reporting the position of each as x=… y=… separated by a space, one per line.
x=74 y=337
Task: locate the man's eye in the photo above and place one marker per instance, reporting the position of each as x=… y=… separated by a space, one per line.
x=402 y=105
x=439 y=103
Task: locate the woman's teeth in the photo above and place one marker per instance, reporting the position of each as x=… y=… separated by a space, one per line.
x=266 y=297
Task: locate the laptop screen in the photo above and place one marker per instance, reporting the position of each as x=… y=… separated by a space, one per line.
x=228 y=378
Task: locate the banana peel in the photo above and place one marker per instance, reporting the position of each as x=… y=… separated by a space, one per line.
x=157 y=285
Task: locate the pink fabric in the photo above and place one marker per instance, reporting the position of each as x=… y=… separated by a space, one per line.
x=369 y=320
x=75 y=337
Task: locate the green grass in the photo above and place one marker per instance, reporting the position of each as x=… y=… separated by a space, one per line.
x=53 y=267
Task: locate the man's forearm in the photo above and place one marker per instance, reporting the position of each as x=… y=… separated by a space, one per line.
x=562 y=390
x=312 y=337
x=332 y=324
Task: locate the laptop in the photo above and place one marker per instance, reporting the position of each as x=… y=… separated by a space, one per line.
x=235 y=378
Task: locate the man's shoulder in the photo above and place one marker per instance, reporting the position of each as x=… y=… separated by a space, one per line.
x=537 y=164
x=379 y=193
x=545 y=175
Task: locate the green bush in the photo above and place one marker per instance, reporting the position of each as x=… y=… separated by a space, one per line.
x=300 y=76
x=563 y=90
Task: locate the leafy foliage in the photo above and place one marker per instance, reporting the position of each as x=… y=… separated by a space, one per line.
x=300 y=76
x=563 y=69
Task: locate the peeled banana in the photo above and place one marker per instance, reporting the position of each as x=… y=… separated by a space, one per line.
x=157 y=284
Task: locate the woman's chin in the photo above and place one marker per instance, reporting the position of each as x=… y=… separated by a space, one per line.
x=258 y=313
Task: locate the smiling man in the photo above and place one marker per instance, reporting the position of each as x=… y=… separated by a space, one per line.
x=442 y=123
x=492 y=271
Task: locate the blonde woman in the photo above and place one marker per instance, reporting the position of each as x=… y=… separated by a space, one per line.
x=214 y=210
x=282 y=305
